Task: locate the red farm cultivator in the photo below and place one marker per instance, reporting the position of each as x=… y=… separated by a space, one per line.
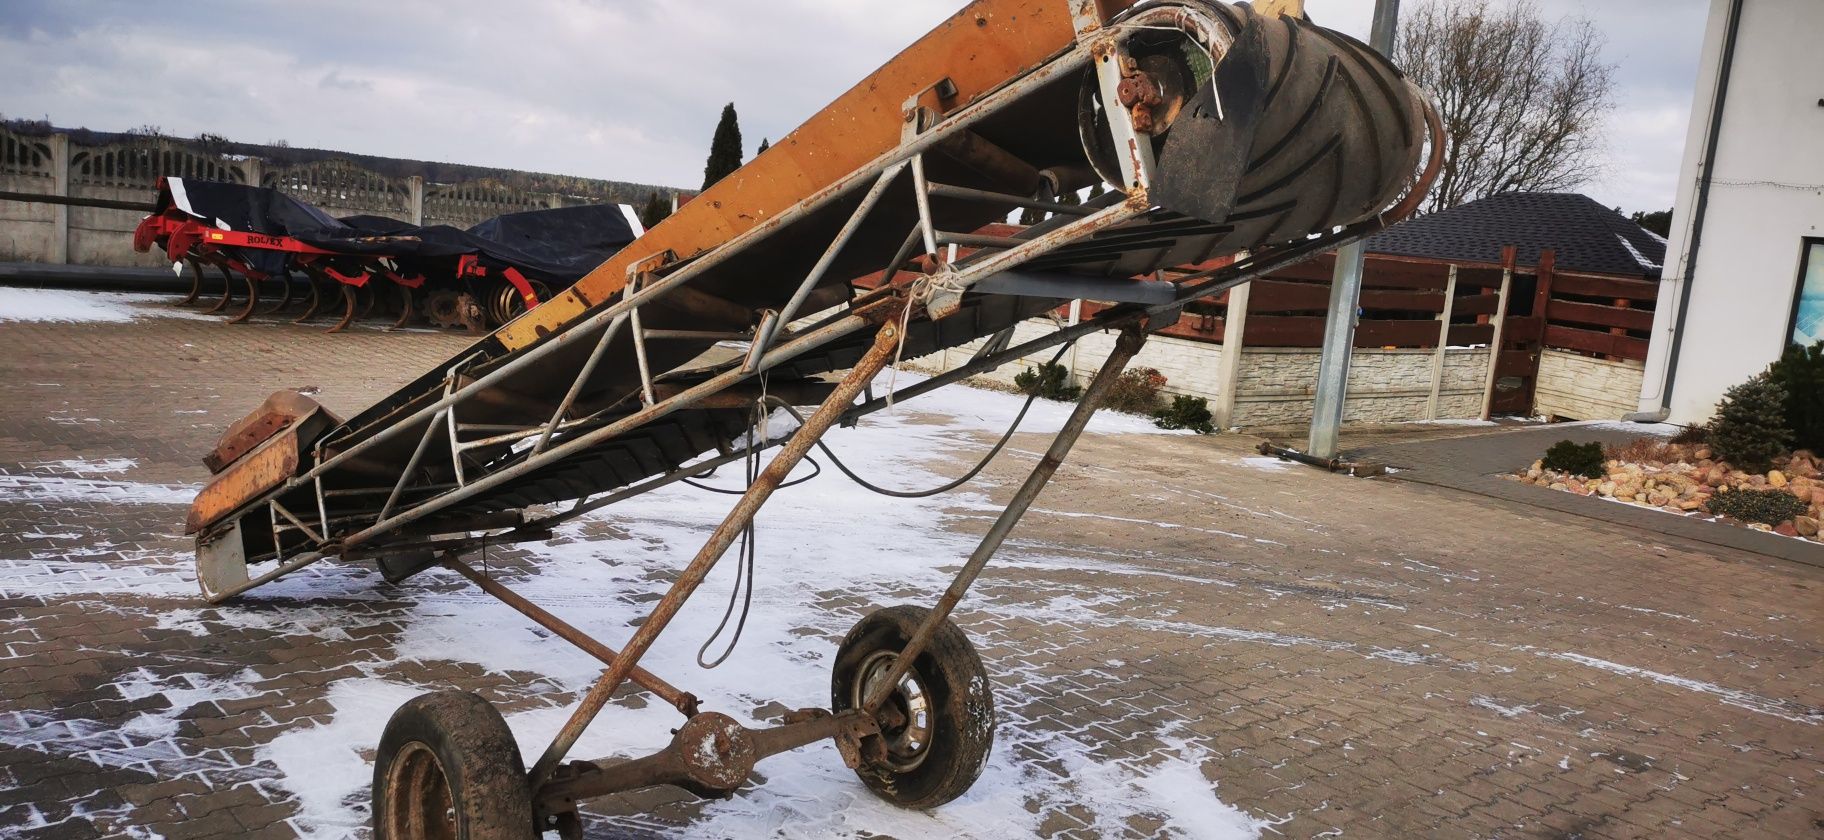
x=864 y=236
x=275 y=248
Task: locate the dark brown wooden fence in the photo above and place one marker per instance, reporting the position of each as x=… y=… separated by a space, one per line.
x=1611 y=317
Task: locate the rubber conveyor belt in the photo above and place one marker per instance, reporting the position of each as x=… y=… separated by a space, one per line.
x=1216 y=131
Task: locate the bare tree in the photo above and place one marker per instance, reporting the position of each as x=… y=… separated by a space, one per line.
x=1523 y=100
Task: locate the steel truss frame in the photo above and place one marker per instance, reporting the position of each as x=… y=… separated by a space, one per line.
x=689 y=761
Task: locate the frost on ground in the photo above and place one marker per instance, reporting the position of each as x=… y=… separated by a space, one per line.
x=822 y=545
x=827 y=554
x=71 y=306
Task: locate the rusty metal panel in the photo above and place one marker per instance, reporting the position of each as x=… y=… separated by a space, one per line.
x=987 y=44
x=246 y=479
x=282 y=409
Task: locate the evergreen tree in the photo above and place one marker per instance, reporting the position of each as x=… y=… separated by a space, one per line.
x=655 y=211
x=764 y=145
x=1800 y=370
x=1750 y=424
x=724 y=148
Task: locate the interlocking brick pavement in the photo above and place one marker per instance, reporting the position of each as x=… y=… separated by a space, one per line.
x=1336 y=657
x=1482 y=461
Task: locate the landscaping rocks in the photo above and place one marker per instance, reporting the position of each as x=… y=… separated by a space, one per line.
x=1682 y=478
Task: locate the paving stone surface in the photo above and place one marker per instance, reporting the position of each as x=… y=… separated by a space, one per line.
x=1480 y=461
x=1332 y=656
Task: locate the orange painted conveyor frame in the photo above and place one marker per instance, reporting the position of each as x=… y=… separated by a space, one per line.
x=861 y=238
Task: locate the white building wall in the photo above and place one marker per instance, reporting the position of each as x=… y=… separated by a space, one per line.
x=1767 y=195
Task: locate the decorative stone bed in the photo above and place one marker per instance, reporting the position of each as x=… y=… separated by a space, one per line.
x=1682 y=478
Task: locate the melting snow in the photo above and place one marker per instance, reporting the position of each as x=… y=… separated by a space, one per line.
x=78 y=466
x=51 y=488
x=1783 y=709
x=602 y=573
x=69 y=306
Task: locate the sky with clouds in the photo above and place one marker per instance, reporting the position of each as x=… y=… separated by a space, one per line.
x=614 y=89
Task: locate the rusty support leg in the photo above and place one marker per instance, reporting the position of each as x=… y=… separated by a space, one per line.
x=1125 y=348
x=885 y=342
x=683 y=701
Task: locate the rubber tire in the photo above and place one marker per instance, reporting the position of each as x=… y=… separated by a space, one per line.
x=479 y=758
x=963 y=723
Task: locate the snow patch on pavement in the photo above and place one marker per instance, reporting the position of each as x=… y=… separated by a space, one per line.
x=57 y=488
x=68 y=306
x=83 y=467
x=1783 y=709
x=821 y=544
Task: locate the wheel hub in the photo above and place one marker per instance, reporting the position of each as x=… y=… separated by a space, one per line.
x=443 y=308
x=423 y=807
x=905 y=718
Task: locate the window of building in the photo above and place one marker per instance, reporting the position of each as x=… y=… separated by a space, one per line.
x=1808 y=301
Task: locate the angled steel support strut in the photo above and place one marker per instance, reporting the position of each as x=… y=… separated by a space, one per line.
x=1130 y=342
x=886 y=341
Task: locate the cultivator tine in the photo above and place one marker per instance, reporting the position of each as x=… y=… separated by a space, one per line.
x=310 y=306
x=405 y=308
x=253 y=300
x=284 y=294
x=368 y=299
x=227 y=292
x=196 y=283
x=348 y=310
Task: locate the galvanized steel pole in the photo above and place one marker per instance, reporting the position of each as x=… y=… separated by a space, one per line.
x=1345 y=297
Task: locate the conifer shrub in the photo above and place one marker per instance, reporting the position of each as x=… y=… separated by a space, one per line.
x=1049 y=380
x=1579 y=459
x=1186 y=412
x=1800 y=371
x=1749 y=428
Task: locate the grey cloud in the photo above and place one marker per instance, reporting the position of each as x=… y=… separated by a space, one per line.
x=601 y=88
x=334 y=80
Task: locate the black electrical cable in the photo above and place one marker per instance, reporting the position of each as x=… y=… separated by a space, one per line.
x=744 y=574
x=944 y=488
x=744 y=567
x=816 y=470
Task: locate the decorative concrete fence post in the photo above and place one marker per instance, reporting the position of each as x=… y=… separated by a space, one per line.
x=414 y=200
x=1437 y=359
x=60 y=186
x=1509 y=259
x=1234 y=326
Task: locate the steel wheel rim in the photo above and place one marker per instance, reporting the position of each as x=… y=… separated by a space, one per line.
x=420 y=805
x=907 y=745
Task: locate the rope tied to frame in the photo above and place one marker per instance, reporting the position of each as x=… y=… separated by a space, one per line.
x=923 y=291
